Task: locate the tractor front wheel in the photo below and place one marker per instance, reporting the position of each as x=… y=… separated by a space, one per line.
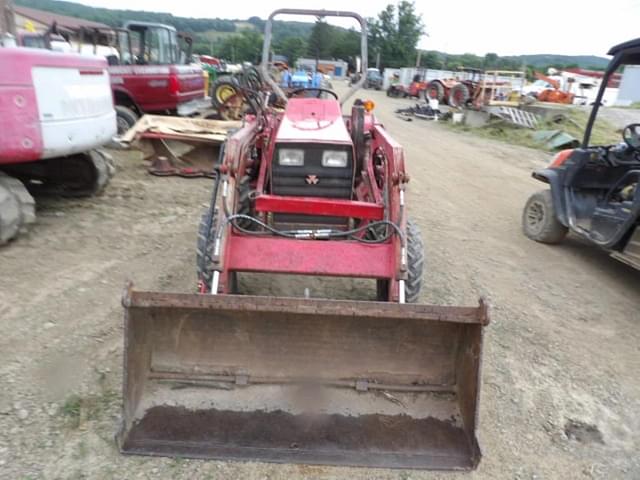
x=539 y=219
x=415 y=267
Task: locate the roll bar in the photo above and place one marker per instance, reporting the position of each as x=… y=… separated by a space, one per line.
x=266 y=48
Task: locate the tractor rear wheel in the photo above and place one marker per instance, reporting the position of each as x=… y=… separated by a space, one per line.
x=434 y=91
x=459 y=95
x=222 y=90
x=415 y=267
x=539 y=219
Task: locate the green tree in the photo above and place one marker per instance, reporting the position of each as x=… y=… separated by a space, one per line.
x=245 y=47
x=490 y=60
x=320 y=40
x=395 y=35
x=431 y=60
x=291 y=47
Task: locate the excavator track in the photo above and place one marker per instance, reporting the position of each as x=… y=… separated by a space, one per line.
x=17 y=208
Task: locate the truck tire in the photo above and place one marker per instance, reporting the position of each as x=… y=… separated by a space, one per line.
x=125 y=119
x=459 y=95
x=9 y=215
x=434 y=91
x=539 y=219
x=415 y=267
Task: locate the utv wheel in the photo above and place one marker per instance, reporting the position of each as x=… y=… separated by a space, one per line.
x=415 y=266
x=539 y=220
x=125 y=119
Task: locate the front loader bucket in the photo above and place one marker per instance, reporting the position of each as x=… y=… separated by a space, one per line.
x=302 y=381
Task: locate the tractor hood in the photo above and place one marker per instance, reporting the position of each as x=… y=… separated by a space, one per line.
x=313 y=120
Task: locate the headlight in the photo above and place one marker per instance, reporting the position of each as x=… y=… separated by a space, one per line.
x=289 y=157
x=335 y=158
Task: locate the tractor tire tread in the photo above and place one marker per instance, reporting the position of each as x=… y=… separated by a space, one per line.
x=415 y=263
x=204 y=247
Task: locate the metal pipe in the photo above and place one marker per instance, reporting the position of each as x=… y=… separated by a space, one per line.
x=613 y=66
x=266 y=46
x=204 y=379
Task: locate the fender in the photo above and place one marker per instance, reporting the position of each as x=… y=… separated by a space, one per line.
x=551 y=177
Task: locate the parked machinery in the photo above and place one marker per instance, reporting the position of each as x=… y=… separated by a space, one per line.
x=593 y=190
x=150 y=68
x=416 y=88
x=455 y=92
x=305 y=190
x=56 y=109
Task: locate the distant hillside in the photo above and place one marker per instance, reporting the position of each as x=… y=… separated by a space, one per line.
x=207 y=30
x=542 y=60
x=116 y=18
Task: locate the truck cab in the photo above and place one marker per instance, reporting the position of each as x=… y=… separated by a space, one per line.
x=151 y=70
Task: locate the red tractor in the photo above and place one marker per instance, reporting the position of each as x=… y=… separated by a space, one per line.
x=455 y=92
x=305 y=190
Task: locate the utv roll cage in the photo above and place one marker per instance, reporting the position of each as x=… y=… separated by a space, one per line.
x=627 y=53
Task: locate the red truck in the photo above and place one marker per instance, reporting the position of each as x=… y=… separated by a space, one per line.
x=150 y=69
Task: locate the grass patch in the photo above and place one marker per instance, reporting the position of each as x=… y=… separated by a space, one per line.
x=77 y=410
x=573 y=122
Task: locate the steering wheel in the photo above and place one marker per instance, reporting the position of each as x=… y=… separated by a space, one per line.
x=631 y=136
x=316 y=89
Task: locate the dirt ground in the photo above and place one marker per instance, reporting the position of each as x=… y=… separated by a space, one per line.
x=560 y=390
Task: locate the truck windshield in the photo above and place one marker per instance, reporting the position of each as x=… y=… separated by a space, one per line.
x=154 y=45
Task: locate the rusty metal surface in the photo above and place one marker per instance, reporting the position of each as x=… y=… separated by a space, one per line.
x=303 y=381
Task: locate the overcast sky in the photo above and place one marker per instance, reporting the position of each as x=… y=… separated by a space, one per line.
x=572 y=27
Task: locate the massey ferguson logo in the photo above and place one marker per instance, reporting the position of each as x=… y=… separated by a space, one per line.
x=312 y=179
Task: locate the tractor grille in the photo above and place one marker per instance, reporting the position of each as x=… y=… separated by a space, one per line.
x=332 y=182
